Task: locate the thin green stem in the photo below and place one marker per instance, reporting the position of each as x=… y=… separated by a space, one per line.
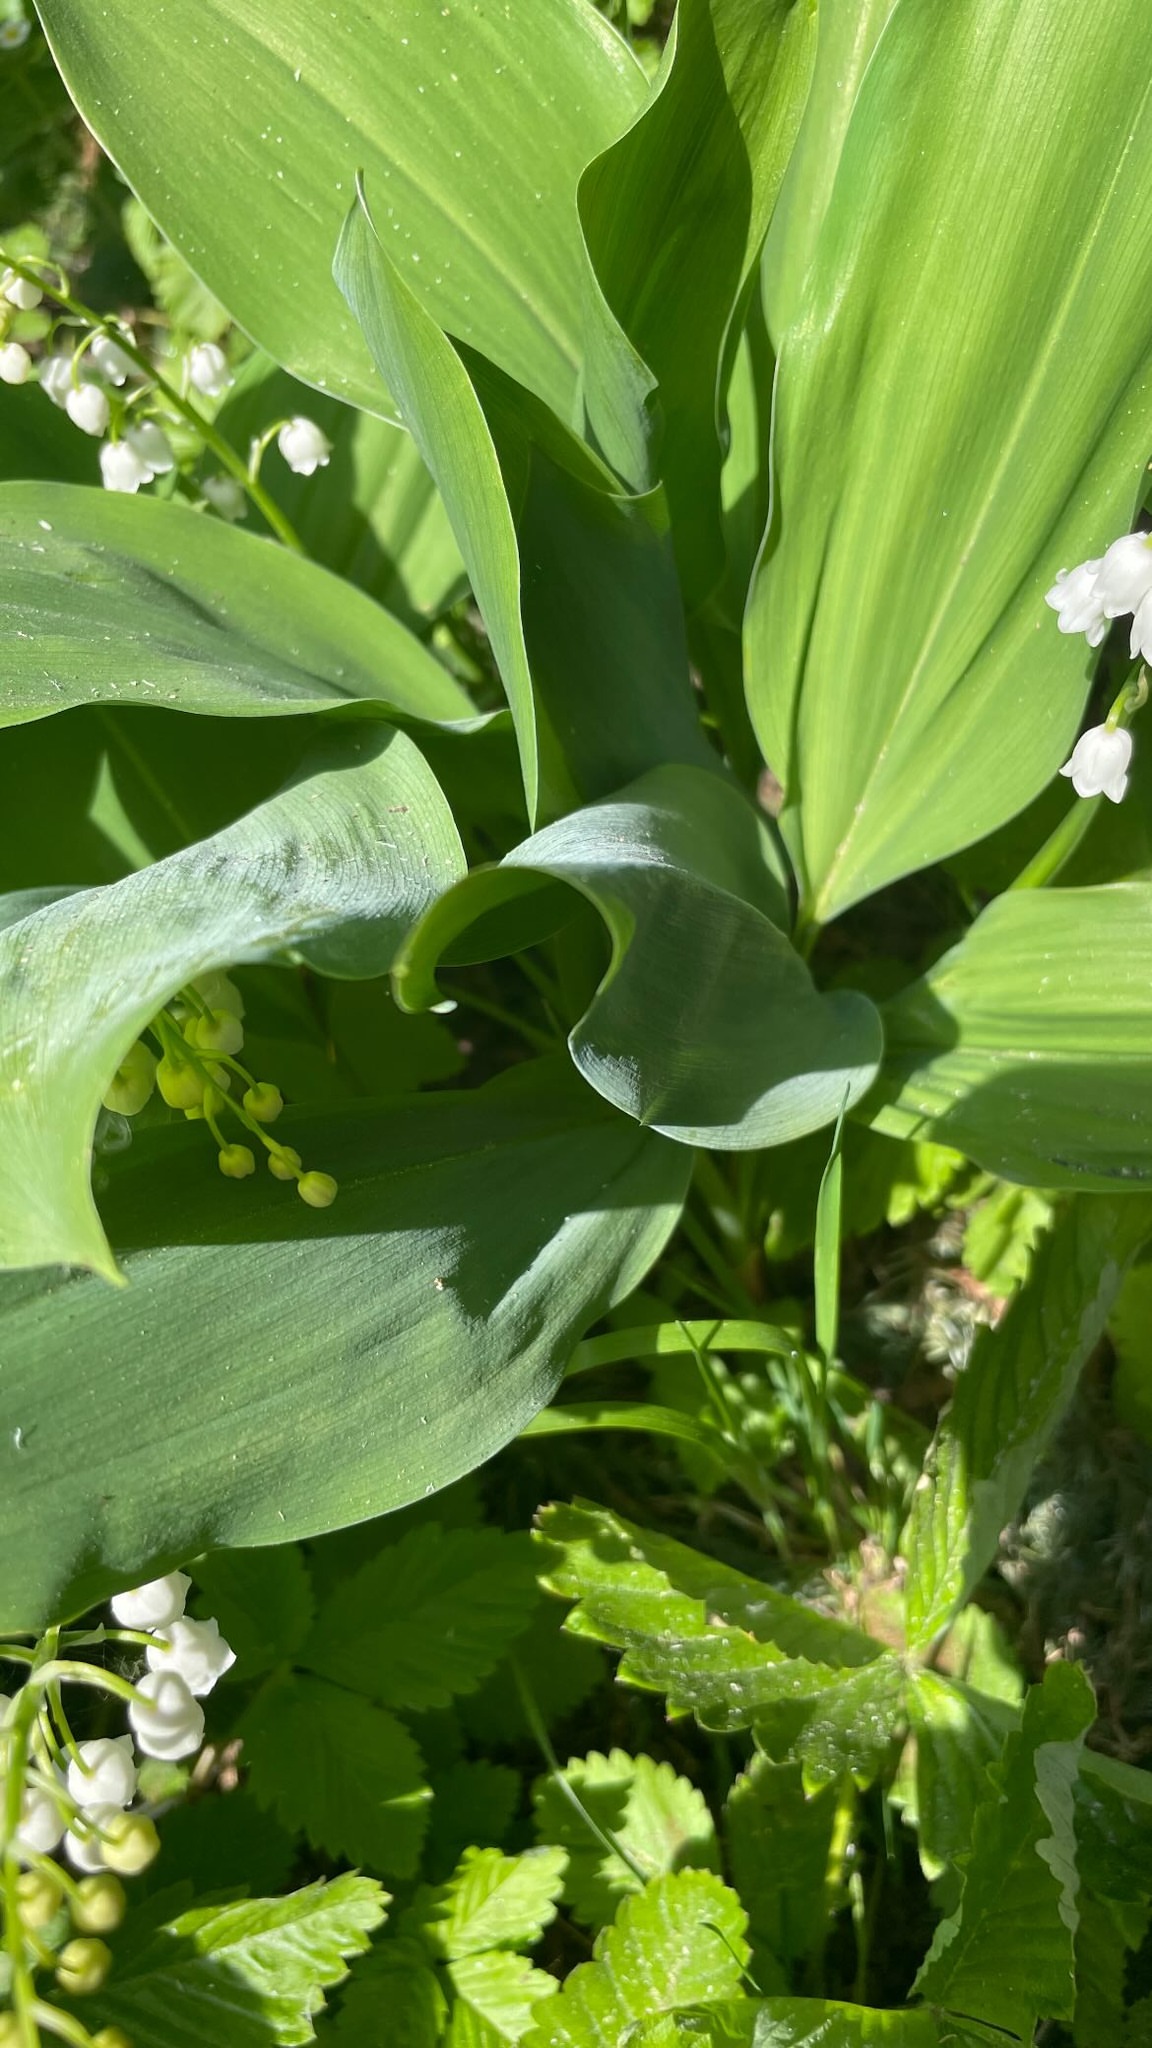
x=568 y=1791
x=1060 y=845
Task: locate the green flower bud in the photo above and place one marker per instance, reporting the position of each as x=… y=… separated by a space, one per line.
x=214 y=1100
x=220 y=992
x=130 y=1844
x=179 y=1084
x=40 y=1894
x=132 y=1084
x=284 y=1163
x=237 y=1162
x=218 y=1031
x=264 y=1102
x=319 y=1190
x=82 y=1966
x=111 y=2037
x=98 y=1904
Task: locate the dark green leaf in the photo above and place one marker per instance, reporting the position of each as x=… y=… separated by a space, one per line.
x=262 y=1600
x=345 y=1773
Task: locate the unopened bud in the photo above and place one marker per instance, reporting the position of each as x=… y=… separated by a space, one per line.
x=284 y=1163
x=179 y=1083
x=236 y=1162
x=264 y=1102
x=98 y=1904
x=218 y=1031
x=87 y=408
x=20 y=291
x=133 y=1082
x=82 y=1966
x=131 y=1843
x=15 y=364
x=319 y=1190
x=39 y=1893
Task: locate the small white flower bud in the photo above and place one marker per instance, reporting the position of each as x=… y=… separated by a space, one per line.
x=20 y=292
x=154 y=1605
x=227 y=496
x=167 y=1722
x=196 y=1650
x=56 y=378
x=208 y=369
x=121 y=468
x=15 y=363
x=109 y=358
x=41 y=1821
x=151 y=446
x=87 y=408
x=106 y=1773
x=304 y=446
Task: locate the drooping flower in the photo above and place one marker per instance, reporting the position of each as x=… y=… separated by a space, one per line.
x=1074 y=600
x=109 y=358
x=87 y=408
x=304 y=446
x=226 y=496
x=41 y=1821
x=151 y=446
x=56 y=378
x=105 y=1774
x=1124 y=578
x=1099 y=762
x=15 y=363
x=121 y=468
x=20 y=291
x=196 y=1650
x=208 y=369
x=154 y=1605
x=166 y=1721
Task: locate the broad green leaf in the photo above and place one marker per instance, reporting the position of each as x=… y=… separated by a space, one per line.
x=130 y=601
x=660 y=1819
x=241 y=1976
x=707 y=1025
x=334 y=870
x=496 y=1999
x=475 y=125
x=1005 y=1955
x=474 y=1239
x=426 y=1619
x=905 y=679
x=804 y=2023
x=343 y=1772
x=394 y=1995
x=492 y=1902
x=1026 y=1046
x=202 y=1837
x=956 y=1735
x=675 y=212
x=262 y=1600
x=476 y=1801
x=373 y=515
x=779 y=1844
x=678 y=1942
x=40 y=441
x=1105 y=1938
x=1008 y=1402
x=1001 y=1235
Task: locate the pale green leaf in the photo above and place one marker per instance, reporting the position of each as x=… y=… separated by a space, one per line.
x=1001 y=1233
x=426 y=1619
x=343 y=1772
x=496 y=1999
x=130 y=601
x=905 y=678
x=1027 y=1045
x=248 y=1975
x=1005 y=1955
x=678 y=1942
x=804 y=2023
x=707 y=1025
x=474 y=125
x=492 y=1901
x=956 y=1735
x=332 y=870
x=660 y=1819
x=1008 y=1401
x=474 y=1239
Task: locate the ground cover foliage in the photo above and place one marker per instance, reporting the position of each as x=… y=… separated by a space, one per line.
x=532 y=712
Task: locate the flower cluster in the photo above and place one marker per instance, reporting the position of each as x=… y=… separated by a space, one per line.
x=1117 y=584
x=71 y=1825
x=199 y=1036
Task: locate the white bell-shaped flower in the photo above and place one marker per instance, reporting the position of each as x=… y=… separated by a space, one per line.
x=83 y=1846
x=56 y=378
x=20 y=292
x=1074 y=600
x=227 y=496
x=87 y=408
x=194 y=1649
x=151 y=446
x=105 y=1774
x=1099 y=763
x=166 y=1721
x=304 y=446
x=153 y=1605
x=1124 y=578
x=109 y=358
x=41 y=1821
x=15 y=363
x=121 y=467
x=208 y=369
